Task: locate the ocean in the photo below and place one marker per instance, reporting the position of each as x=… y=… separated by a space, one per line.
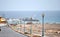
x=50 y=16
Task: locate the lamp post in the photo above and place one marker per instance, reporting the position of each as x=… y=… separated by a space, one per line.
x=24 y=26
x=43 y=25
x=31 y=27
x=20 y=23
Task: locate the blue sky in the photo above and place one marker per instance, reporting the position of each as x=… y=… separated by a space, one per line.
x=29 y=5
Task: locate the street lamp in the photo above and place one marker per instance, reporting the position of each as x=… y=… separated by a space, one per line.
x=20 y=23
x=43 y=25
x=24 y=26
x=31 y=26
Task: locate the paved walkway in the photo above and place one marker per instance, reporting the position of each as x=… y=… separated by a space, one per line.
x=7 y=32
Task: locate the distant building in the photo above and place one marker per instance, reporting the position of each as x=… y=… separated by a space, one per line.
x=13 y=21
x=22 y=21
x=31 y=21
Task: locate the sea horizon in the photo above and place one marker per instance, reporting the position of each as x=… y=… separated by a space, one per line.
x=50 y=16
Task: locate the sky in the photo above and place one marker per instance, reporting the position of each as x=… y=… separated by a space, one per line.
x=31 y=8
x=29 y=5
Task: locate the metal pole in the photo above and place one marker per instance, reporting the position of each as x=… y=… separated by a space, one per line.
x=20 y=23
x=31 y=27
x=24 y=27
x=42 y=25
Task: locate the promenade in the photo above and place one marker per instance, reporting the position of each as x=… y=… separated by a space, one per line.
x=8 y=32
